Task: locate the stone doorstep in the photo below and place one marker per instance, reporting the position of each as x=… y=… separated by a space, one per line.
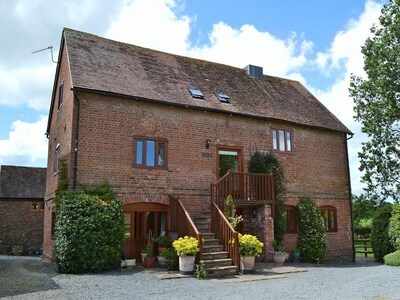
x=262 y=271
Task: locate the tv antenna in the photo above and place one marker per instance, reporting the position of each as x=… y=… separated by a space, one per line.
x=51 y=49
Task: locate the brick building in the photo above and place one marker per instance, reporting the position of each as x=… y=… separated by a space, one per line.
x=22 y=192
x=160 y=126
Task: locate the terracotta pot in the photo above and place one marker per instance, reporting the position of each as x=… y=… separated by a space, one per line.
x=279 y=258
x=186 y=265
x=149 y=262
x=247 y=264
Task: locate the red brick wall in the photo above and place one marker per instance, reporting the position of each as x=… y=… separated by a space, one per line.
x=19 y=225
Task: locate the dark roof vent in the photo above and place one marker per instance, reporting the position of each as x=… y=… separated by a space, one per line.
x=196 y=93
x=254 y=71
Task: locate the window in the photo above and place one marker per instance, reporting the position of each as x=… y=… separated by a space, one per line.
x=224 y=98
x=150 y=153
x=60 y=94
x=330 y=218
x=56 y=158
x=282 y=140
x=196 y=93
x=36 y=206
x=291 y=219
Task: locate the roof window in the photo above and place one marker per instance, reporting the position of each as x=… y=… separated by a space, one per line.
x=224 y=98
x=196 y=93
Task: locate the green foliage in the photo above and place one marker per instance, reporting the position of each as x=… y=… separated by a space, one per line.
x=89 y=233
x=267 y=163
x=186 y=246
x=164 y=241
x=200 y=269
x=229 y=212
x=278 y=248
x=249 y=245
x=377 y=106
x=170 y=254
x=381 y=244
x=312 y=237
x=363 y=208
x=63 y=183
x=394 y=226
x=363 y=227
x=392 y=259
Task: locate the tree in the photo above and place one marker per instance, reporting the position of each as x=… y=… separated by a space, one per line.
x=377 y=106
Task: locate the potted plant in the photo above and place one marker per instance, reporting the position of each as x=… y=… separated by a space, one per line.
x=171 y=258
x=163 y=242
x=149 y=260
x=296 y=255
x=249 y=248
x=186 y=248
x=279 y=253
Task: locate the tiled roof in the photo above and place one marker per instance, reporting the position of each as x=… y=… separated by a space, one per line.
x=108 y=66
x=22 y=182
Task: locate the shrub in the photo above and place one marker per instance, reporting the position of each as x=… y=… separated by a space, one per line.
x=249 y=245
x=89 y=233
x=392 y=259
x=229 y=212
x=381 y=244
x=312 y=238
x=267 y=163
x=164 y=241
x=187 y=246
x=394 y=226
x=363 y=227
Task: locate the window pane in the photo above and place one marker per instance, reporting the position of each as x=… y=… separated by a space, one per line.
x=139 y=152
x=150 y=153
x=281 y=140
x=161 y=154
x=274 y=140
x=288 y=141
x=127 y=225
x=333 y=225
x=326 y=219
x=291 y=220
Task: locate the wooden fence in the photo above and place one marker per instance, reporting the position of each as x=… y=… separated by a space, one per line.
x=363 y=246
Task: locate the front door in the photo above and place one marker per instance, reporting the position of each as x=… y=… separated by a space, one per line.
x=143 y=221
x=229 y=159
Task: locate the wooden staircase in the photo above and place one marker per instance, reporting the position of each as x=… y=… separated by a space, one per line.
x=216 y=260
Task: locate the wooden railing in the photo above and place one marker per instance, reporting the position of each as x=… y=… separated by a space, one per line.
x=245 y=188
x=182 y=223
x=363 y=246
x=225 y=233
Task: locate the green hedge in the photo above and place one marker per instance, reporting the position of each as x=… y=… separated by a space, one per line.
x=381 y=244
x=392 y=259
x=394 y=226
x=312 y=238
x=89 y=233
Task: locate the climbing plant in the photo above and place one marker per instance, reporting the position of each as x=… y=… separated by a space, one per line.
x=261 y=162
x=63 y=182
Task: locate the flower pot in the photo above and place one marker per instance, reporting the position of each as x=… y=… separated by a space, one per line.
x=296 y=257
x=279 y=258
x=129 y=263
x=161 y=260
x=247 y=264
x=186 y=265
x=149 y=262
x=143 y=256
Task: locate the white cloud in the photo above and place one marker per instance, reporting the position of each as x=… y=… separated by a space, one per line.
x=26 y=143
x=153 y=24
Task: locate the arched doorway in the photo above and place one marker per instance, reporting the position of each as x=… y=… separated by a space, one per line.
x=139 y=220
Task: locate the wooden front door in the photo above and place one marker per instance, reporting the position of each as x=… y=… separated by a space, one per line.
x=142 y=220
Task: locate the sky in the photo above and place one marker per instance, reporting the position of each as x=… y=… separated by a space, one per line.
x=315 y=42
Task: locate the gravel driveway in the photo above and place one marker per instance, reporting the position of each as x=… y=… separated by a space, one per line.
x=30 y=278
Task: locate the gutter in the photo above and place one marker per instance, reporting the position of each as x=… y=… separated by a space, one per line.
x=350 y=198
x=75 y=168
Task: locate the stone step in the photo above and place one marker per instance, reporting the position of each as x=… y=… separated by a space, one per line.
x=215 y=255
x=203 y=219
x=208 y=242
x=221 y=271
x=212 y=248
x=208 y=235
x=220 y=262
x=203 y=228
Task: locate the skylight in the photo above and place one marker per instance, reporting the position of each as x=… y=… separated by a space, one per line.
x=196 y=93
x=224 y=98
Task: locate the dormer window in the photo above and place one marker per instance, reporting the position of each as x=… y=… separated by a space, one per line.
x=196 y=93
x=224 y=98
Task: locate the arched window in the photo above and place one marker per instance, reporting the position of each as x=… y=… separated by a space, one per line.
x=291 y=219
x=329 y=214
